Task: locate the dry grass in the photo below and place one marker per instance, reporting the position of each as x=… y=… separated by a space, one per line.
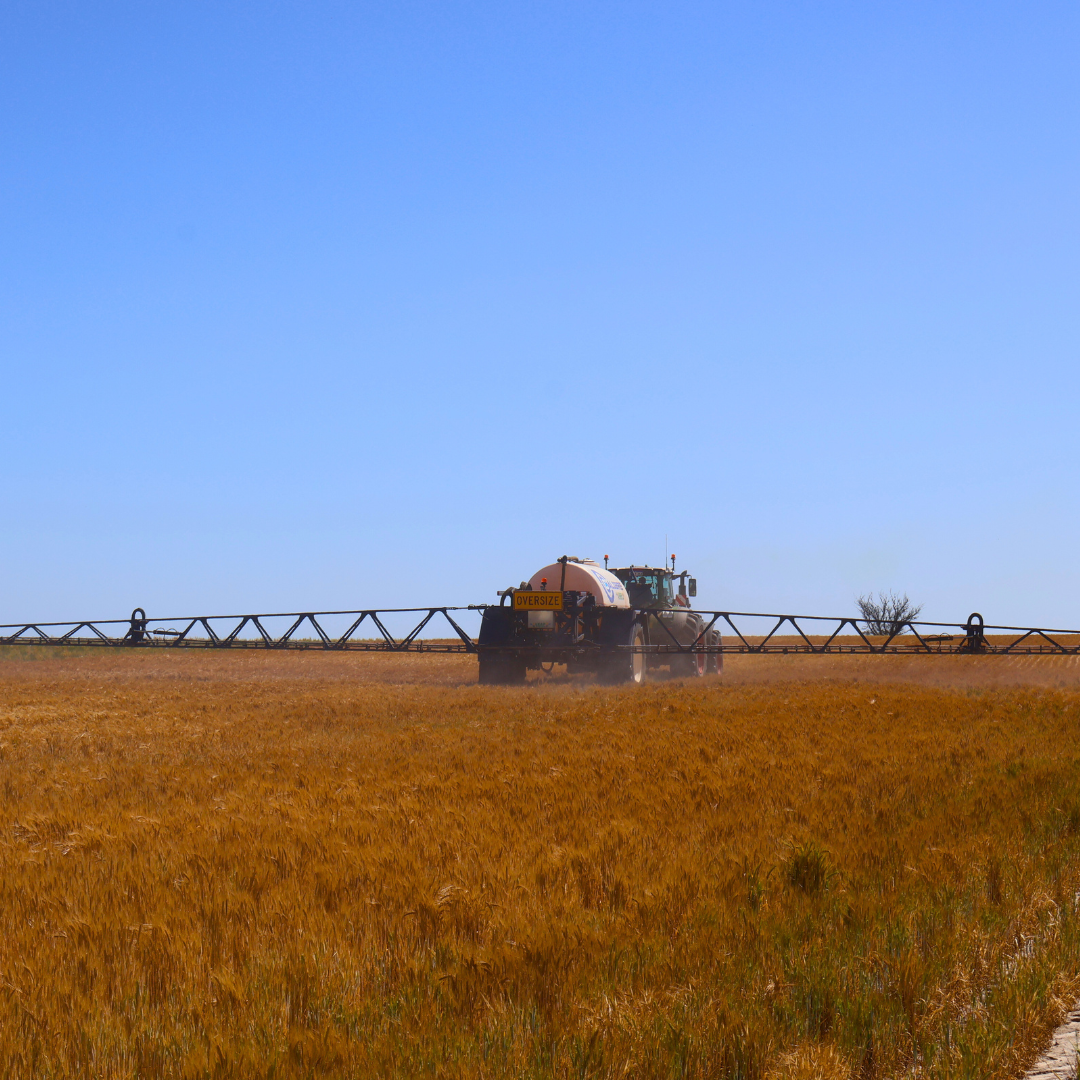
x=249 y=865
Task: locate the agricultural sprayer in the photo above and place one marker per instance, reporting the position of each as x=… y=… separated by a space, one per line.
x=614 y=622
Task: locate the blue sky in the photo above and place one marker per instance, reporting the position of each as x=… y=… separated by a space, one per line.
x=332 y=305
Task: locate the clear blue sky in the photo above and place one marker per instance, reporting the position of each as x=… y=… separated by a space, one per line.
x=309 y=305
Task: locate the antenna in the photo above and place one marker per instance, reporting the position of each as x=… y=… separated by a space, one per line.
x=665 y=549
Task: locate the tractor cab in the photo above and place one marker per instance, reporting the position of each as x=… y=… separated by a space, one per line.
x=653 y=587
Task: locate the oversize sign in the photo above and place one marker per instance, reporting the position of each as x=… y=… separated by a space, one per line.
x=537 y=601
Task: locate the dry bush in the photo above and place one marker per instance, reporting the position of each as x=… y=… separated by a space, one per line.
x=888 y=613
x=250 y=870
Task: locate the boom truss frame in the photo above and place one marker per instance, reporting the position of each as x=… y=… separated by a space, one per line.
x=904 y=638
x=198 y=632
x=790 y=634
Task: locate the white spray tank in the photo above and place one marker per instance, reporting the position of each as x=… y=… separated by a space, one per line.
x=583 y=575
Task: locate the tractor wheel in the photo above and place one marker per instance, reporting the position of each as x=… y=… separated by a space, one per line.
x=685 y=665
x=626 y=667
x=702 y=660
x=501 y=670
x=716 y=660
x=637 y=659
x=691 y=665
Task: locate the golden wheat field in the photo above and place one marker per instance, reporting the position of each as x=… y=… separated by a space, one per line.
x=336 y=865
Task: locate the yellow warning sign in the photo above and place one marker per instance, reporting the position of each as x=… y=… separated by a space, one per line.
x=537 y=601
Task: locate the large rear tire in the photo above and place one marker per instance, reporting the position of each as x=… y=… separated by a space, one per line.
x=702 y=663
x=637 y=659
x=716 y=660
x=691 y=665
x=685 y=665
x=626 y=666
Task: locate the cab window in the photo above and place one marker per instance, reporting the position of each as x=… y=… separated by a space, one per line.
x=659 y=587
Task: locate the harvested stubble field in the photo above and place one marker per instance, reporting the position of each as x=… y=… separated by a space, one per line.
x=297 y=865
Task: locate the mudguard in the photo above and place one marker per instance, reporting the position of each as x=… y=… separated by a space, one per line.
x=497 y=626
